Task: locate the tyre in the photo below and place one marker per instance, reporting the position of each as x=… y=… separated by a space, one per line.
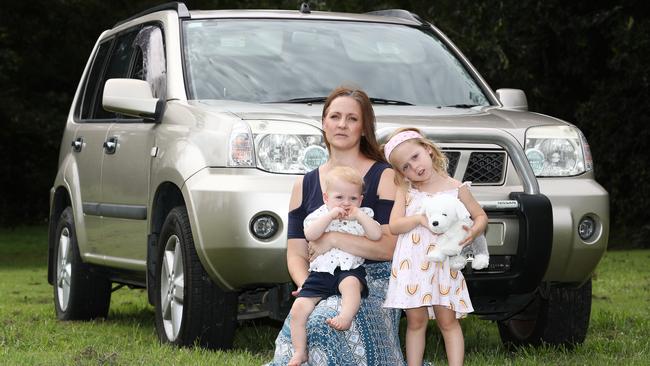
x=79 y=294
x=562 y=319
x=190 y=308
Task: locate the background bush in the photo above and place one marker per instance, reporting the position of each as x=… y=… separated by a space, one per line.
x=584 y=62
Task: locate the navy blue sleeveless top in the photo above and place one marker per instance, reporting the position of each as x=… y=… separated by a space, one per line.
x=312 y=199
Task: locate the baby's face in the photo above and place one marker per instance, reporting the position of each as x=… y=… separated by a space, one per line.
x=342 y=194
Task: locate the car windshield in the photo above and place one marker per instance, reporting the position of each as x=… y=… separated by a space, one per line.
x=272 y=61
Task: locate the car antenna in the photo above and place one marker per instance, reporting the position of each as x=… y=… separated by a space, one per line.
x=304 y=8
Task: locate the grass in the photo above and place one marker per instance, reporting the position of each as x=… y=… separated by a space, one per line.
x=31 y=335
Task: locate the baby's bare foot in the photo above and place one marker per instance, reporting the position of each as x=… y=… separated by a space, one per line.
x=298 y=359
x=339 y=323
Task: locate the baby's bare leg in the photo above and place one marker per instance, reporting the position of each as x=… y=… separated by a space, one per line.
x=350 y=289
x=302 y=307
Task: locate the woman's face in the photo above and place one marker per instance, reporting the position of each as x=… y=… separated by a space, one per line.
x=343 y=123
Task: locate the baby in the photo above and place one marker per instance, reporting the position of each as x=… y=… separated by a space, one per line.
x=335 y=272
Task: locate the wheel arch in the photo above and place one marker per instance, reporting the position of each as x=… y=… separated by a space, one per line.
x=59 y=201
x=168 y=195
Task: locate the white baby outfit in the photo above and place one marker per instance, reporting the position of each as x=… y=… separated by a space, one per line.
x=334 y=257
x=416 y=281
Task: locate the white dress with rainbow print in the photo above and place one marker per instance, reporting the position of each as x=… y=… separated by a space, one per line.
x=416 y=281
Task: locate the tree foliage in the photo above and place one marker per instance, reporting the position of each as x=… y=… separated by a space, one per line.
x=584 y=62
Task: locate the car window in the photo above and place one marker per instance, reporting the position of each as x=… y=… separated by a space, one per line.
x=84 y=106
x=137 y=54
x=118 y=67
x=266 y=60
x=150 y=62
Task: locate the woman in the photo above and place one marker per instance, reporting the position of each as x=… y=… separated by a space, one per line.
x=348 y=126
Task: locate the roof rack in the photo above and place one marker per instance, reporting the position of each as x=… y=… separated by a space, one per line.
x=398 y=13
x=179 y=7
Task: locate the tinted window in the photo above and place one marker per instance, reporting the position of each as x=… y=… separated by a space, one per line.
x=87 y=100
x=118 y=67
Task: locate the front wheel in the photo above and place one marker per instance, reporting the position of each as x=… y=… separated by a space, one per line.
x=190 y=308
x=79 y=293
x=560 y=319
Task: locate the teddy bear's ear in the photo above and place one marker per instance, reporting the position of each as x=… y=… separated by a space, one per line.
x=461 y=211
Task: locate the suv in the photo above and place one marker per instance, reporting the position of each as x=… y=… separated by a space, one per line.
x=188 y=129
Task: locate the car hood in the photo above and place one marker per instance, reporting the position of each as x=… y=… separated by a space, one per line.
x=269 y=112
x=390 y=117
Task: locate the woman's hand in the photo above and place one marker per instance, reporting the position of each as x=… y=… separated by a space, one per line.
x=320 y=246
x=295 y=292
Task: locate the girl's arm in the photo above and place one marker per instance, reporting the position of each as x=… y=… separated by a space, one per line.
x=399 y=223
x=360 y=245
x=297 y=254
x=476 y=212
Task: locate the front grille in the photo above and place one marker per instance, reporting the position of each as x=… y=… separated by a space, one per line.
x=452 y=157
x=485 y=167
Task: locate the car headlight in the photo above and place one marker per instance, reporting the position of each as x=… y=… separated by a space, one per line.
x=277 y=147
x=557 y=151
x=240 y=147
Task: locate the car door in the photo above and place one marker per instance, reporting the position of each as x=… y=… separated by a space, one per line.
x=91 y=129
x=127 y=161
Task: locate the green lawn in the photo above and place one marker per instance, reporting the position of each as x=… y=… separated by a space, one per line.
x=31 y=335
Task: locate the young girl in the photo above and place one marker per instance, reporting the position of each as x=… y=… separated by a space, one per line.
x=423 y=288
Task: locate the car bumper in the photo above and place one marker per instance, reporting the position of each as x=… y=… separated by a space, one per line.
x=222 y=202
x=539 y=243
x=573 y=259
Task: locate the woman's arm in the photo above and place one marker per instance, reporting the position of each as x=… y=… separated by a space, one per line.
x=297 y=255
x=297 y=260
x=360 y=245
x=476 y=212
x=399 y=223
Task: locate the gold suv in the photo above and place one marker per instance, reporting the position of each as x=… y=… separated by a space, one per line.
x=188 y=129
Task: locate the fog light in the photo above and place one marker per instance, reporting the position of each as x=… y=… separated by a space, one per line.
x=586 y=228
x=264 y=226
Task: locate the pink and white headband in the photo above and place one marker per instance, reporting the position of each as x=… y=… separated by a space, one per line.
x=398 y=139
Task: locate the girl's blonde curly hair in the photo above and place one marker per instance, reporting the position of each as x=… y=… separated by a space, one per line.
x=440 y=161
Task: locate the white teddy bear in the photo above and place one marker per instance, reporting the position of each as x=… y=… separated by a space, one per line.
x=446 y=215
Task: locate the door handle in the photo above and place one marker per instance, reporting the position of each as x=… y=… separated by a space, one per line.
x=78 y=144
x=110 y=145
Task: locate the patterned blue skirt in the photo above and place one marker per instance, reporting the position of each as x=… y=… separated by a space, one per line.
x=372 y=340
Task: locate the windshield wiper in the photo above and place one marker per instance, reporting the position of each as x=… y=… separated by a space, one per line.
x=461 y=105
x=374 y=100
x=322 y=100
x=302 y=100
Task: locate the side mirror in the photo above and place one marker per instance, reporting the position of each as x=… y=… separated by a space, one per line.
x=132 y=97
x=513 y=99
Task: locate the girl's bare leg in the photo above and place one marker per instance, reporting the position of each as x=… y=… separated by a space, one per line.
x=416 y=331
x=350 y=289
x=452 y=334
x=302 y=307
